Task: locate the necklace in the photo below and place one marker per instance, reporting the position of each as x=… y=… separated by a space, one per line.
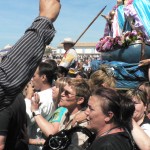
x=106 y=132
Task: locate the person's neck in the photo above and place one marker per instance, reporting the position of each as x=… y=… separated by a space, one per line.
x=109 y=129
x=66 y=49
x=139 y=121
x=74 y=110
x=45 y=87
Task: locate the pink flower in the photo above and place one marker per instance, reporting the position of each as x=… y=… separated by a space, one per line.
x=107 y=46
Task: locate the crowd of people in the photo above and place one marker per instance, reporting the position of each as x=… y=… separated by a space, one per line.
x=118 y=118
x=40 y=99
x=56 y=99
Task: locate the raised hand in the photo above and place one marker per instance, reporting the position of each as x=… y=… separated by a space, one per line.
x=50 y=9
x=35 y=103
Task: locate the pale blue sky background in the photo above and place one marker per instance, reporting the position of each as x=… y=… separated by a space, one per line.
x=75 y=16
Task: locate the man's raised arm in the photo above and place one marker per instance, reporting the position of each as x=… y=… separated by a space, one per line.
x=20 y=63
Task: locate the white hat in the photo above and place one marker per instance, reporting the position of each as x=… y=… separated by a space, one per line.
x=68 y=40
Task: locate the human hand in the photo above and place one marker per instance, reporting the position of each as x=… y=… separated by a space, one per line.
x=29 y=90
x=104 y=16
x=108 y=19
x=50 y=9
x=144 y=62
x=35 y=103
x=80 y=117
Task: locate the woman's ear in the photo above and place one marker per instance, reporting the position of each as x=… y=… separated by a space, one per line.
x=80 y=100
x=145 y=108
x=109 y=116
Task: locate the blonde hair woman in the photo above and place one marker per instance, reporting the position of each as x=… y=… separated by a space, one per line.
x=140 y=122
x=52 y=126
x=102 y=77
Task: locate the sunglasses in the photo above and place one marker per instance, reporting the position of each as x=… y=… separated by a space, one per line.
x=67 y=93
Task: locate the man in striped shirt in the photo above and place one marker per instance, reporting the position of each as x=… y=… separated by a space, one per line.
x=20 y=63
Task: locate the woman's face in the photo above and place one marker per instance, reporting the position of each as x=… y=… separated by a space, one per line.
x=140 y=109
x=95 y=115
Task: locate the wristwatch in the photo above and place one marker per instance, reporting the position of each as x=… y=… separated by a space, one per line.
x=35 y=113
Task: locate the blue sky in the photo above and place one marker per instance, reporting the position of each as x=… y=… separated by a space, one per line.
x=17 y=15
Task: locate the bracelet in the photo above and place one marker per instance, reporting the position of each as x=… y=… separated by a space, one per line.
x=35 y=113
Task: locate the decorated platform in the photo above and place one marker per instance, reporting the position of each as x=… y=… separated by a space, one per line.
x=126 y=41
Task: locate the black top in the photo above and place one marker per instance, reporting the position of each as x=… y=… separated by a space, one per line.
x=117 y=141
x=13 y=122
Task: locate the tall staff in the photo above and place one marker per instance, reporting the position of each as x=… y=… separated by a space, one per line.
x=90 y=24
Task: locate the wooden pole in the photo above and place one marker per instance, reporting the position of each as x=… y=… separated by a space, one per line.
x=90 y=24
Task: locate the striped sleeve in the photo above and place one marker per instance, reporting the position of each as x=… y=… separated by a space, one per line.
x=20 y=63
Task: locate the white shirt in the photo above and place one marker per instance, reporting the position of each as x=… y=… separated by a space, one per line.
x=146 y=128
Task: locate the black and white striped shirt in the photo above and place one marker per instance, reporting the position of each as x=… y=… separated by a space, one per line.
x=20 y=63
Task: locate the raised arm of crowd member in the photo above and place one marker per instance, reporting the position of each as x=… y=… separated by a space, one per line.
x=20 y=63
x=51 y=125
x=140 y=137
x=46 y=127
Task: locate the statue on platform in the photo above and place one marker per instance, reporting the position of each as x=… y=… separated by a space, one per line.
x=139 y=17
x=128 y=16
x=125 y=39
x=115 y=20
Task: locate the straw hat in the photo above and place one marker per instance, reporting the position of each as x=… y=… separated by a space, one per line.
x=68 y=40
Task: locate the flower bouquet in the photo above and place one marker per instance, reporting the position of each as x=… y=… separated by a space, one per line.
x=109 y=43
